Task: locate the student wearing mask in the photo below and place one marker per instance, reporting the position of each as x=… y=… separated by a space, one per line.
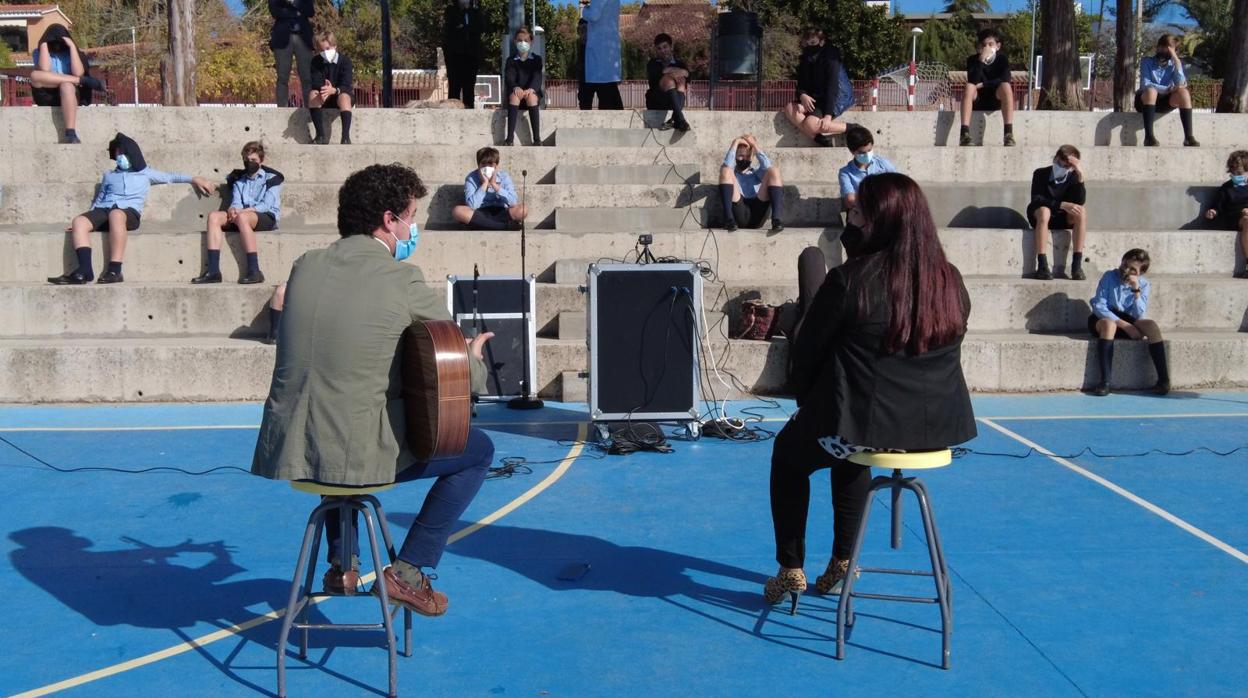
x=62 y=78
x=490 y=201
x=1162 y=76
x=1058 y=196
x=117 y=208
x=1230 y=206
x=749 y=193
x=522 y=83
x=1118 y=311
x=332 y=79
x=255 y=206
x=668 y=76
x=813 y=111
x=988 y=85
x=861 y=145
x=291 y=37
x=463 y=23
x=602 y=55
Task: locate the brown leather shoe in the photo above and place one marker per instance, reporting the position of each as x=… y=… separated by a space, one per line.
x=337 y=581
x=423 y=599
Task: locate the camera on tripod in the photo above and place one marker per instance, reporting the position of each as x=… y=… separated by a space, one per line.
x=644 y=255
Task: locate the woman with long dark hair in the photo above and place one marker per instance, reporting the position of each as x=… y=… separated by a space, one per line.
x=876 y=365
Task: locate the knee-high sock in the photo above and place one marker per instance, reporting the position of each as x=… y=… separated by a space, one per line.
x=214 y=262
x=1149 y=113
x=1185 y=116
x=678 y=104
x=513 y=113
x=535 y=124
x=1157 y=350
x=346 y=125
x=777 y=204
x=84 y=261
x=275 y=318
x=318 y=122
x=1105 y=357
x=725 y=197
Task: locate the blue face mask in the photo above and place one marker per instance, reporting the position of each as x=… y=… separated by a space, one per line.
x=1239 y=180
x=404 y=248
x=863 y=158
x=123 y=162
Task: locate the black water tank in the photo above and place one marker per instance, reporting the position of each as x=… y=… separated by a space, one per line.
x=739 y=38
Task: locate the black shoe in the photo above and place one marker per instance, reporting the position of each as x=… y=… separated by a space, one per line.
x=509 y=141
x=1191 y=142
x=1078 y=275
x=1009 y=141
x=321 y=140
x=1101 y=390
x=1242 y=273
x=777 y=226
x=682 y=126
x=731 y=226
x=1162 y=388
x=207 y=278
x=1042 y=274
x=92 y=83
x=73 y=278
x=1151 y=142
x=257 y=278
x=824 y=140
x=70 y=139
x=965 y=139
x=346 y=140
x=110 y=277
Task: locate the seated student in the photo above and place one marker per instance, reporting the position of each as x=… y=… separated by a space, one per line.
x=813 y=110
x=490 y=197
x=861 y=144
x=117 y=208
x=1230 y=206
x=668 y=76
x=1058 y=195
x=1161 y=75
x=1118 y=310
x=255 y=206
x=332 y=78
x=62 y=78
x=748 y=193
x=988 y=86
x=522 y=83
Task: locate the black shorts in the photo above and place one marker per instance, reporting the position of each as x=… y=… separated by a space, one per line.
x=750 y=212
x=490 y=218
x=1163 y=103
x=1118 y=334
x=1226 y=221
x=1057 y=221
x=99 y=219
x=51 y=97
x=264 y=222
x=986 y=100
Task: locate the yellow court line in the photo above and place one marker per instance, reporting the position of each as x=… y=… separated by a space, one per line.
x=564 y=464
x=1129 y=496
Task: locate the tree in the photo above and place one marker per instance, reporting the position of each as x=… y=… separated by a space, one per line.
x=870 y=41
x=948 y=41
x=178 y=69
x=1060 y=75
x=967 y=6
x=6 y=58
x=1124 y=58
x=1235 y=85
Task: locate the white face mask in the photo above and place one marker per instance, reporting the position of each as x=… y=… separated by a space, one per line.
x=523 y=46
x=330 y=55
x=992 y=55
x=487 y=171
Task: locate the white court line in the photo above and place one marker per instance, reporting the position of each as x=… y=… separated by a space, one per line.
x=1220 y=545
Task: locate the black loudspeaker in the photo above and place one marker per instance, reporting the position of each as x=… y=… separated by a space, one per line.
x=740 y=36
x=643 y=342
x=492 y=303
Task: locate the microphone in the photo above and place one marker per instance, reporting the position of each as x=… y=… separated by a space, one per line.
x=476 y=314
x=524 y=173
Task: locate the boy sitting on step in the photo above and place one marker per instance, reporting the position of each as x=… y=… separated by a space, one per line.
x=1058 y=196
x=255 y=206
x=1230 y=206
x=522 y=83
x=117 y=207
x=667 y=75
x=490 y=201
x=861 y=145
x=748 y=193
x=1162 y=79
x=332 y=80
x=1118 y=310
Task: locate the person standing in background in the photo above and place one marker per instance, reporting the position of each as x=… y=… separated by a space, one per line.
x=601 y=55
x=292 y=34
x=462 y=27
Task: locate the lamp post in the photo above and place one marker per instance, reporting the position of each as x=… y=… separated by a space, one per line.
x=914 y=43
x=914 y=68
x=134 y=62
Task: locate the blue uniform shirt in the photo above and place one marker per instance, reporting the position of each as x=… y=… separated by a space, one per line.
x=750 y=180
x=1162 y=76
x=59 y=59
x=253 y=192
x=851 y=175
x=476 y=195
x=602 y=41
x=125 y=189
x=1113 y=294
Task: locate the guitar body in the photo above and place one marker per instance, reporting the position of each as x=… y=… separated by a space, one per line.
x=437 y=389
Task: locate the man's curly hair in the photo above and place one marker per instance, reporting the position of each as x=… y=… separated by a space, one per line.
x=366 y=196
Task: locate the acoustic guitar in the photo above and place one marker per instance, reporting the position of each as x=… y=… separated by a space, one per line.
x=437 y=389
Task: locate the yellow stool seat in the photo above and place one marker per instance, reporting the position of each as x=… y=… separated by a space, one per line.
x=914 y=460
x=324 y=490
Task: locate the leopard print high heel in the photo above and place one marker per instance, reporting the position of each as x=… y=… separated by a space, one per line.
x=791 y=582
x=833 y=577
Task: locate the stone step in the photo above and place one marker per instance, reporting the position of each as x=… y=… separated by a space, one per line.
x=157 y=254
x=201 y=369
x=574 y=325
x=635 y=137
x=451 y=163
x=235 y=125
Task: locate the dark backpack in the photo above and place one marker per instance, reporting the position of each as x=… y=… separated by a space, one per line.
x=844 y=93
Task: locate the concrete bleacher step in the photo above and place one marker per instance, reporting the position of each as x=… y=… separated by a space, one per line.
x=632 y=137
x=235 y=125
x=674 y=173
x=219 y=369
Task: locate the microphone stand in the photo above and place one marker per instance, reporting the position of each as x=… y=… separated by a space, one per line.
x=526 y=400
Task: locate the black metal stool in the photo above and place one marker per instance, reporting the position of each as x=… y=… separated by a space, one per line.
x=346 y=500
x=915 y=460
